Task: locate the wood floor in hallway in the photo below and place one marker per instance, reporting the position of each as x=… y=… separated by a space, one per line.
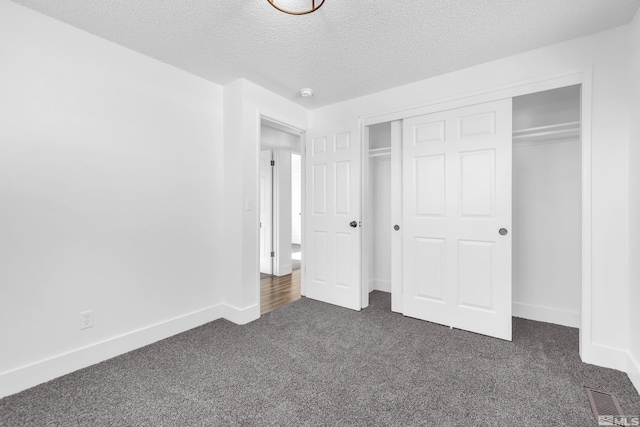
x=276 y=291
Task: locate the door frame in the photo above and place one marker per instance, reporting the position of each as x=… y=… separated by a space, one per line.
x=285 y=127
x=272 y=223
x=581 y=76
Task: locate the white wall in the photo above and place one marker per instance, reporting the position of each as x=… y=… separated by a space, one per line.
x=110 y=177
x=380 y=193
x=607 y=53
x=380 y=216
x=549 y=107
x=244 y=103
x=634 y=208
x=547 y=209
x=546 y=232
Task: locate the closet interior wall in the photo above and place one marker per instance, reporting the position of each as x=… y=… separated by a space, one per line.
x=547 y=206
x=379 y=254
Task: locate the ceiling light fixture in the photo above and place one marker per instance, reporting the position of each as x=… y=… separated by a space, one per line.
x=301 y=7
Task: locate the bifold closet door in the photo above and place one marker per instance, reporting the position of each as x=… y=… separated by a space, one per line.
x=457 y=218
x=332 y=227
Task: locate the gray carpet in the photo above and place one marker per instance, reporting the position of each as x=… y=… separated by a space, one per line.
x=310 y=364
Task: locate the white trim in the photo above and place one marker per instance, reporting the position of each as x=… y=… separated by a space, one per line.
x=380 y=285
x=510 y=90
x=303 y=211
x=279 y=125
x=633 y=371
x=45 y=370
x=366 y=240
x=396 y=216
x=241 y=316
x=585 y=144
x=283 y=270
x=277 y=121
x=546 y=314
x=605 y=356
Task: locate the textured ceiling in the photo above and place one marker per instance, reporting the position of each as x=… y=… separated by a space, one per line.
x=348 y=48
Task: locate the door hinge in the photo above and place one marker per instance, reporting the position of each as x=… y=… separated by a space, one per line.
x=273 y=162
x=273 y=254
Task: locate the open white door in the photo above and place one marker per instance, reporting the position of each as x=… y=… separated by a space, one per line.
x=332 y=226
x=456 y=211
x=266 y=211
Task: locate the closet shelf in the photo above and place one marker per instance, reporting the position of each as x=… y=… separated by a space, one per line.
x=545 y=134
x=380 y=152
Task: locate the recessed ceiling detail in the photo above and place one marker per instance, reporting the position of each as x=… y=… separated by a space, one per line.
x=296 y=7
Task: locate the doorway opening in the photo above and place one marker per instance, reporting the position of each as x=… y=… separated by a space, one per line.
x=280 y=214
x=546 y=208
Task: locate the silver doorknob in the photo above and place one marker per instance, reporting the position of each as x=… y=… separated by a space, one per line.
x=503 y=231
x=353 y=224
x=396 y=227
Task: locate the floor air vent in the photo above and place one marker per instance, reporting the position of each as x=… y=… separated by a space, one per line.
x=605 y=407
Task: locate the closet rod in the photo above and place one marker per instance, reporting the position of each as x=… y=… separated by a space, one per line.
x=379 y=152
x=569 y=125
x=549 y=133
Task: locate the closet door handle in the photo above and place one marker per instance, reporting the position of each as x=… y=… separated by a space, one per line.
x=396 y=227
x=503 y=231
x=353 y=224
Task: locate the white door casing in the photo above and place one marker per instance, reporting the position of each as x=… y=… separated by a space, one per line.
x=333 y=202
x=396 y=216
x=266 y=211
x=456 y=198
x=296 y=199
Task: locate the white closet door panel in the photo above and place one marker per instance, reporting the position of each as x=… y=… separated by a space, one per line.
x=319 y=186
x=430 y=273
x=318 y=273
x=477 y=184
x=342 y=190
x=456 y=198
x=333 y=256
x=476 y=274
x=429 y=183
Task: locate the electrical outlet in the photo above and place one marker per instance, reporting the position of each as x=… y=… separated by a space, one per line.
x=86 y=319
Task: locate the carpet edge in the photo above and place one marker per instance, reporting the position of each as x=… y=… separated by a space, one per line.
x=30 y=375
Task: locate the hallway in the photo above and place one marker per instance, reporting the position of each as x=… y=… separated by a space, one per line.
x=276 y=291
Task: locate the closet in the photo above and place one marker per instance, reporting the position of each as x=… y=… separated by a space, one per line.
x=546 y=207
x=378 y=212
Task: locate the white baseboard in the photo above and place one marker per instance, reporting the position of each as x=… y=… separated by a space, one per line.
x=605 y=356
x=45 y=370
x=546 y=314
x=283 y=270
x=379 y=285
x=633 y=370
x=241 y=316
